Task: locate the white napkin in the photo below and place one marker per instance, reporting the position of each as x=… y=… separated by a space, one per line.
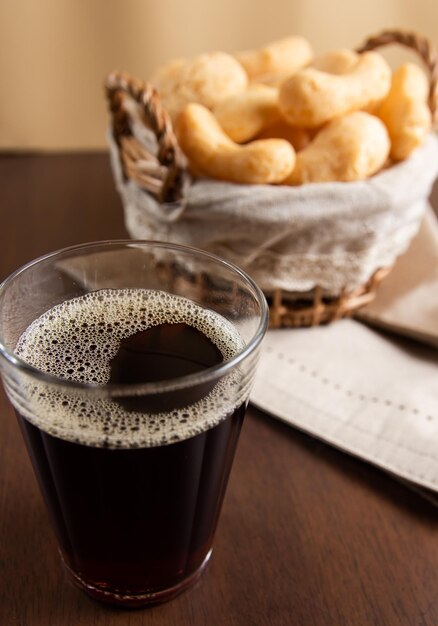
x=407 y=300
x=371 y=394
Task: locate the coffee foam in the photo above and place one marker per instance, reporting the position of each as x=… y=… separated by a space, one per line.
x=77 y=340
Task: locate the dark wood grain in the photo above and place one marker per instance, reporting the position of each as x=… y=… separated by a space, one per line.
x=308 y=535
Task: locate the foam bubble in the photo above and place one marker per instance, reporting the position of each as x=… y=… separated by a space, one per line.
x=77 y=340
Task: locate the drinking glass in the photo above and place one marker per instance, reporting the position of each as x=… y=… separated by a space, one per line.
x=129 y=365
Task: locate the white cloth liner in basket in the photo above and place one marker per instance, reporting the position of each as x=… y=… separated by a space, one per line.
x=332 y=235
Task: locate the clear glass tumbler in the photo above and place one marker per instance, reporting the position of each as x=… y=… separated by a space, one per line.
x=129 y=365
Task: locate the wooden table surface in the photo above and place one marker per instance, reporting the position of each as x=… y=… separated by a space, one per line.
x=308 y=535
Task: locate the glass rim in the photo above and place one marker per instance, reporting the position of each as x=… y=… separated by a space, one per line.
x=161 y=386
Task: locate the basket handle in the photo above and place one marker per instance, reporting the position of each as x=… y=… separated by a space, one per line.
x=163 y=175
x=419 y=44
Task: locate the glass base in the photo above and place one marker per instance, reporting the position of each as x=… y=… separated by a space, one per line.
x=137 y=599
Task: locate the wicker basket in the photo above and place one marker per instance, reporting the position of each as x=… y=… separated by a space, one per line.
x=165 y=177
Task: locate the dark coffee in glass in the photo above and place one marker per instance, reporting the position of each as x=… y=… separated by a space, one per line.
x=131 y=401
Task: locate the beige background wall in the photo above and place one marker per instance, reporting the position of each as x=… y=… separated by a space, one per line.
x=54 y=54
